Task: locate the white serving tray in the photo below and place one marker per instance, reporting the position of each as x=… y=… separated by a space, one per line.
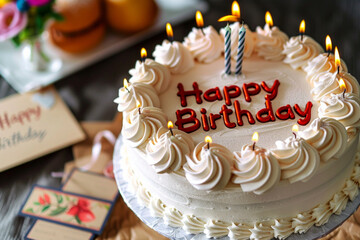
x=22 y=80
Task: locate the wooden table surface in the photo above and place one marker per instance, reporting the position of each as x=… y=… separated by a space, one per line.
x=89 y=93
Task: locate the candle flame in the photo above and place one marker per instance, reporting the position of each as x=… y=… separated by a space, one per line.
x=199 y=19
x=337 y=57
x=295 y=128
x=255 y=137
x=342 y=84
x=328 y=43
x=302 y=26
x=126 y=83
x=235 y=9
x=208 y=139
x=138 y=104
x=169 y=30
x=170 y=124
x=268 y=19
x=143 y=53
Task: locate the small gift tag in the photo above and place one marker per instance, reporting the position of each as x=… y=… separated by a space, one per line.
x=91 y=184
x=43 y=230
x=69 y=209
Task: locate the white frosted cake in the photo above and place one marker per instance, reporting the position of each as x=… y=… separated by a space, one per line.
x=286 y=182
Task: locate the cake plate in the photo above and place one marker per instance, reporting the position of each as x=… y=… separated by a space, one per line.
x=159 y=225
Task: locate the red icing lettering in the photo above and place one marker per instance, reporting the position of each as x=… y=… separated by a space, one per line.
x=284 y=113
x=239 y=113
x=306 y=113
x=213 y=118
x=250 y=89
x=268 y=111
x=212 y=94
x=183 y=94
x=180 y=122
x=232 y=91
x=226 y=112
x=204 y=120
x=273 y=90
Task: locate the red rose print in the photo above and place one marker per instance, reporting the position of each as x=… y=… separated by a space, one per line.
x=81 y=211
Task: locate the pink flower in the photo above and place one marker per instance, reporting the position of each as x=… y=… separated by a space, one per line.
x=45 y=200
x=36 y=3
x=82 y=211
x=12 y=21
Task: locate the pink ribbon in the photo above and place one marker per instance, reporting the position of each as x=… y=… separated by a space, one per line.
x=95 y=153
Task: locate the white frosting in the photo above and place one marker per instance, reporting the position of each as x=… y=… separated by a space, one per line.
x=255 y=170
x=282 y=228
x=193 y=225
x=205 y=46
x=152 y=73
x=239 y=231
x=261 y=231
x=321 y=64
x=173 y=217
x=299 y=52
x=327 y=136
x=345 y=110
x=143 y=93
x=138 y=128
x=321 y=214
x=327 y=83
x=174 y=56
x=215 y=229
x=270 y=44
x=156 y=207
x=166 y=153
x=209 y=169
x=338 y=202
x=351 y=189
x=250 y=40
x=302 y=222
x=298 y=160
x=355 y=176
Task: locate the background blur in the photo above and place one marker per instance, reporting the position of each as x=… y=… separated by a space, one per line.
x=89 y=93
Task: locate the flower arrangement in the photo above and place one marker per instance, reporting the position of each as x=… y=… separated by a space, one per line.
x=24 y=20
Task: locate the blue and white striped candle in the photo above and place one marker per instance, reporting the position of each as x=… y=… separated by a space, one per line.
x=227 y=49
x=240 y=51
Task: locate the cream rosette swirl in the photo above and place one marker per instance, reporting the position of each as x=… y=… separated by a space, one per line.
x=138 y=128
x=344 y=109
x=321 y=64
x=151 y=73
x=328 y=136
x=270 y=44
x=250 y=39
x=327 y=83
x=209 y=169
x=175 y=56
x=298 y=160
x=143 y=93
x=166 y=152
x=205 y=46
x=255 y=170
x=299 y=52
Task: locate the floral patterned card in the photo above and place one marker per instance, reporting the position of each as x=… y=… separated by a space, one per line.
x=65 y=208
x=44 y=230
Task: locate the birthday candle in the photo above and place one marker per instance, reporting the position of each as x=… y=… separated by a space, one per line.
x=240 y=51
x=227 y=50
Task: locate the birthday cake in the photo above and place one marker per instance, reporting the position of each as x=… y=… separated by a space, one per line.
x=254 y=140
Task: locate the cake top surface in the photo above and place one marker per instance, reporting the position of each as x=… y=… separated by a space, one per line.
x=293 y=89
